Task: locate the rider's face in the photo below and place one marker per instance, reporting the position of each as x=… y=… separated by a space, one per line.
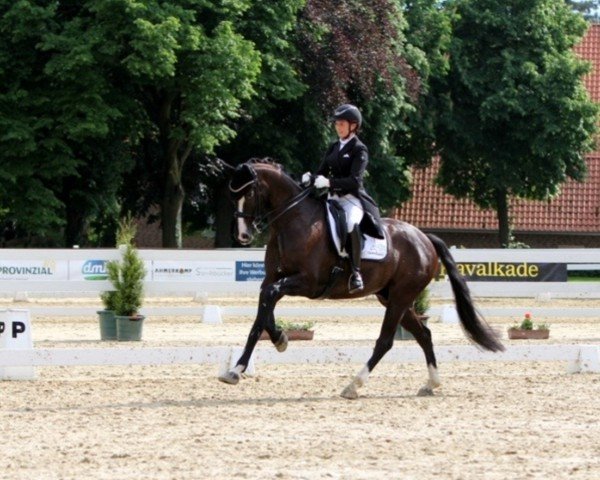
x=342 y=127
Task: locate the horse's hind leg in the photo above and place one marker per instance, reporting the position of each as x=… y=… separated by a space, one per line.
x=422 y=335
x=382 y=345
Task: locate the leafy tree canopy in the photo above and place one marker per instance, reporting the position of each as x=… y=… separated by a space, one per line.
x=519 y=119
x=164 y=78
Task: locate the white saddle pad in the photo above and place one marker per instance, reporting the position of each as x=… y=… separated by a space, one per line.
x=373 y=248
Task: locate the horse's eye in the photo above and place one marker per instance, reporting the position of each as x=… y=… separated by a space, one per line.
x=250 y=194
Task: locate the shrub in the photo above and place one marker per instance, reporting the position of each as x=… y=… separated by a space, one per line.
x=422 y=302
x=127 y=275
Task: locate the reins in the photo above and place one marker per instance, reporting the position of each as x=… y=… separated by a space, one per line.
x=263 y=221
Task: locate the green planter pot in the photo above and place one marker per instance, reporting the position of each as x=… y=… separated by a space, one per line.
x=403 y=334
x=108 y=325
x=129 y=328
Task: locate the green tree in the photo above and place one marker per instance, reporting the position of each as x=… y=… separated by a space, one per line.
x=356 y=51
x=405 y=131
x=64 y=130
x=207 y=101
x=428 y=35
x=33 y=156
x=344 y=51
x=261 y=129
x=165 y=79
x=189 y=68
x=382 y=55
x=375 y=53
x=519 y=120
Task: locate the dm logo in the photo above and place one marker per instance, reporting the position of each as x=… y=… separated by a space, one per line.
x=94 y=270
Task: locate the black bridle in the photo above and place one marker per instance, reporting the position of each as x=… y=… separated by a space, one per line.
x=262 y=220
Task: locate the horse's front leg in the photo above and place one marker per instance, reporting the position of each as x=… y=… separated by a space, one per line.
x=384 y=343
x=265 y=320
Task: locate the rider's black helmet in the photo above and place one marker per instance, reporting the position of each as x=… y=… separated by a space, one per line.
x=347 y=112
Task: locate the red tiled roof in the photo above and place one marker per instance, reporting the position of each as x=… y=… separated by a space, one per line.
x=589 y=49
x=576 y=209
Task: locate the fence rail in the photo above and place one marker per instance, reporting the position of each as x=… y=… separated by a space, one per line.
x=581 y=358
x=315 y=311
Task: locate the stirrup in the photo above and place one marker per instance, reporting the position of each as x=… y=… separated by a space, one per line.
x=355 y=283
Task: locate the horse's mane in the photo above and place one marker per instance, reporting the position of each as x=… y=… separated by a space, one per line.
x=266 y=161
x=243 y=175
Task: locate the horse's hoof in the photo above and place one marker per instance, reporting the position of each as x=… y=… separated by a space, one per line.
x=230 y=377
x=282 y=344
x=350 y=392
x=425 y=392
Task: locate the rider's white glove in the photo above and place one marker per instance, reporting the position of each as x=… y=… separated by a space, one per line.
x=321 y=182
x=307 y=179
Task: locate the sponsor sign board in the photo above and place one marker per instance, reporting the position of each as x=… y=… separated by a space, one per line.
x=94 y=269
x=89 y=270
x=209 y=271
x=249 y=271
x=515 y=272
x=50 y=270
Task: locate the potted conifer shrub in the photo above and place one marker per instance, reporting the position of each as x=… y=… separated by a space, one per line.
x=421 y=305
x=106 y=317
x=127 y=277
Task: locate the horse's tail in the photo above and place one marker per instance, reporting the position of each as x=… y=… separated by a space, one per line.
x=473 y=323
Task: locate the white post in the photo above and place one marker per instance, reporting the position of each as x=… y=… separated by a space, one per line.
x=588 y=359
x=211 y=315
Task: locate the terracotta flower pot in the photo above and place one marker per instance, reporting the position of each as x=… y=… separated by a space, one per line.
x=520 y=334
x=292 y=335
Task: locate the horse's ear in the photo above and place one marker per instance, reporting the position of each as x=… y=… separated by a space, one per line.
x=226 y=166
x=242 y=178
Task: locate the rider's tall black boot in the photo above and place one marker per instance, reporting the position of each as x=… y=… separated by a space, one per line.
x=355 y=284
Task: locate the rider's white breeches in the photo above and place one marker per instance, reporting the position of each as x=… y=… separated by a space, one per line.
x=352 y=207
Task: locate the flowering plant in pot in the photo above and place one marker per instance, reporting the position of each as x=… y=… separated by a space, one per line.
x=127 y=277
x=293 y=330
x=527 y=330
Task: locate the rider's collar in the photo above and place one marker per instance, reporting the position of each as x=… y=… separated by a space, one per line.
x=344 y=141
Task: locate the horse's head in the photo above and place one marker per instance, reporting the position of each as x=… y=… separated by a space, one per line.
x=260 y=190
x=243 y=187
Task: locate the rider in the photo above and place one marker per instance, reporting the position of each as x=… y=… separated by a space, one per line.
x=342 y=171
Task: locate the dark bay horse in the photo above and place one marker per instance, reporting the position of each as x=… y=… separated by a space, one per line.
x=300 y=259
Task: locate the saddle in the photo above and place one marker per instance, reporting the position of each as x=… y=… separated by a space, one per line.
x=373 y=248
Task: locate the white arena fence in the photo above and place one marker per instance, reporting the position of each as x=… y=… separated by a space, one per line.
x=200 y=273
x=579 y=358
x=208 y=313
x=76 y=272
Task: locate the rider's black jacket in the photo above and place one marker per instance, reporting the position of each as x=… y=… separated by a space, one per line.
x=345 y=169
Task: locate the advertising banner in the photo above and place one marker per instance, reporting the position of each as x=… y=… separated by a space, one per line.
x=513 y=272
x=93 y=269
x=50 y=270
x=249 y=271
x=182 y=271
